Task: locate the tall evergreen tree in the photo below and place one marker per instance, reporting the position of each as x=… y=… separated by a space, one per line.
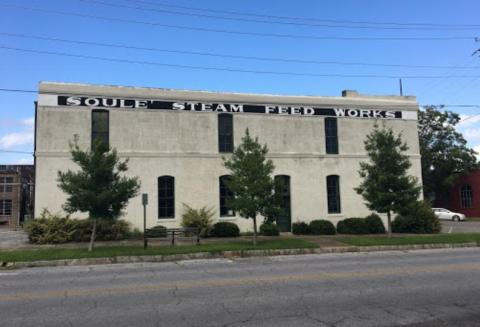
x=98 y=187
x=251 y=181
x=386 y=185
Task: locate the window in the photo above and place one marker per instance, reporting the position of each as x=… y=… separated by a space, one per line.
x=333 y=194
x=6 y=184
x=225 y=195
x=5 y=207
x=166 y=197
x=466 y=196
x=225 y=133
x=331 y=136
x=100 y=126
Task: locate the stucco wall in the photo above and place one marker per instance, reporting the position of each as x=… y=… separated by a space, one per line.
x=185 y=145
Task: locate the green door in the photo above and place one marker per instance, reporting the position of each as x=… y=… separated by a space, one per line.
x=284 y=220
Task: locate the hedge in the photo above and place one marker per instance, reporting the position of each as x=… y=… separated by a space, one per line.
x=269 y=229
x=321 y=227
x=225 y=229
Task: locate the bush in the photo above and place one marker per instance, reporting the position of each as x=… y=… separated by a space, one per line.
x=225 y=229
x=54 y=229
x=321 y=227
x=269 y=229
x=300 y=228
x=417 y=219
x=199 y=218
x=352 y=226
x=50 y=229
x=375 y=224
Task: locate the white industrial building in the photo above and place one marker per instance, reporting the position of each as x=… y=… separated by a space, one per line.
x=176 y=139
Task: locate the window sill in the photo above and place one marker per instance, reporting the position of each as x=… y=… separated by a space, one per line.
x=165 y=219
x=228 y=218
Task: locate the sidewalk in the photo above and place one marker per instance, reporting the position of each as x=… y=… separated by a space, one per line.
x=12 y=239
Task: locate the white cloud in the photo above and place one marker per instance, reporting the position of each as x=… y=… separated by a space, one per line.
x=472 y=134
x=29 y=121
x=468 y=120
x=24 y=161
x=477 y=150
x=14 y=139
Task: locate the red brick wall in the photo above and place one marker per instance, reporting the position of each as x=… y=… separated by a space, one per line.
x=473 y=179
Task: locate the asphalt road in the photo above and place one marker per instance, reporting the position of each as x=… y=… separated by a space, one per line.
x=420 y=288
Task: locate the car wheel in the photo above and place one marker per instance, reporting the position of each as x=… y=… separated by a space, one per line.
x=456 y=218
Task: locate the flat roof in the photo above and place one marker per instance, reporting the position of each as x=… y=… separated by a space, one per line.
x=349 y=98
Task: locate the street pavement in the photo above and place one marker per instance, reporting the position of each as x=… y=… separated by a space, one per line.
x=418 y=288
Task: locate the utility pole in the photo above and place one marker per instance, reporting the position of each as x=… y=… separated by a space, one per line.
x=401 y=87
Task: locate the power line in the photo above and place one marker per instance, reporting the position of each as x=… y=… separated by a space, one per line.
x=13 y=151
x=236 y=32
x=250 y=14
x=17 y=90
x=211 y=54
x=250 y=20
x=235 y=70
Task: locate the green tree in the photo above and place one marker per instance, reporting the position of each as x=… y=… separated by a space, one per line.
x=98 y=187
x=251 y=181
x=444 y=151
x=386 y=185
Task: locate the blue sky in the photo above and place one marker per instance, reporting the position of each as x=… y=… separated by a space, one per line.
x=20 y=70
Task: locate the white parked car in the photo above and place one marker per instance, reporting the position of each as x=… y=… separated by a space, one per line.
x=445 y=214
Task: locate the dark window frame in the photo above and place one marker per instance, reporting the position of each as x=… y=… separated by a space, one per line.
x=331 y=135
x=334 y=204
x=466 y=196
x=224 y=195
x=99 y=133
x=225 y=133
x=4 y=207
x=166 y=197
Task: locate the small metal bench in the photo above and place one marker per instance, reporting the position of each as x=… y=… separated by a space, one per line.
x=158 y=232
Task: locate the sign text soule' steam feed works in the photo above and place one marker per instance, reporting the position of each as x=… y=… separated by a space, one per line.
x=100 y=102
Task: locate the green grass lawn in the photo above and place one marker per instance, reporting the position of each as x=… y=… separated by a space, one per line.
x=114 y=251
x=407 y=240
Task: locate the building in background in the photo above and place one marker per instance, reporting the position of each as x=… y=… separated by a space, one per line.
x=176 y=139
x=16 y=194
x=464 y=195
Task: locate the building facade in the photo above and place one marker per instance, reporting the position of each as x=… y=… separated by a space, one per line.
x=16 y=194
x=464 y=197
x=175 y=141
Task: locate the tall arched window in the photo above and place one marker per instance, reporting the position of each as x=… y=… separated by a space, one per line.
x=166 y=197
x=333 y=194
x=225 y=195
x=466 y=196
x=225 y=132
x=100 y=126
x=331 y=136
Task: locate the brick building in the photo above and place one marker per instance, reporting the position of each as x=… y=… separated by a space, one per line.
x=16 y=194
x=464 y=196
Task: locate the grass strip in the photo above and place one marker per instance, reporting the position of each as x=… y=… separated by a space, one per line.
x=115 y=251
x=409 y=240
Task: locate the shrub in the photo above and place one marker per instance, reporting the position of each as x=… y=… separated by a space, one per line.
x=352 y=226
x=375 y=224
x=107 y=230
x=199 y=218
x=300 y=228
x=50 y=229
x=418 y=219
x=322 y=227
x=225 y=229
x=53 y=229
x=269 y=229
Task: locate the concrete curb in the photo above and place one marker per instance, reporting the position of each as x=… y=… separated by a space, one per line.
x=226 y=254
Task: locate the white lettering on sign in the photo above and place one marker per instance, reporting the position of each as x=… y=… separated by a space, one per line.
x=228 y=107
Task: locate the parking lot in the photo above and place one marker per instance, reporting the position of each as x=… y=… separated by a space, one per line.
x=460 y=226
